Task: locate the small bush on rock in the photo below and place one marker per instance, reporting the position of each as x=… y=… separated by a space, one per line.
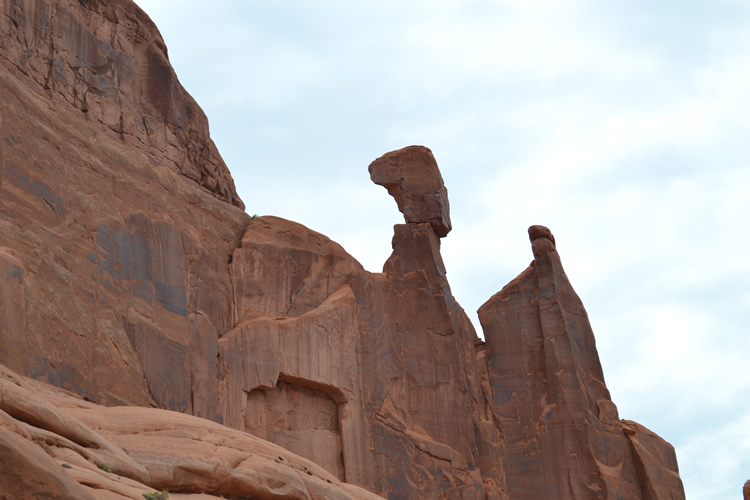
x=157 y=495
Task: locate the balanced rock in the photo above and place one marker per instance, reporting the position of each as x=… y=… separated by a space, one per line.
x=412 y=177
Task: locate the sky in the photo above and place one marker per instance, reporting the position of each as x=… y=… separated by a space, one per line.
x=622 y=126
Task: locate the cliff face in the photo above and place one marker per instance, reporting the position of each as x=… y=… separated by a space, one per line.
x=116 y=210
x=129 y=275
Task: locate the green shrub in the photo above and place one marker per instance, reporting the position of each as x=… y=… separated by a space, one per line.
x=106 y=468
x=157 y=495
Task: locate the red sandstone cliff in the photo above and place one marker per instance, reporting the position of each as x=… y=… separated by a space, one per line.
x=129 y=275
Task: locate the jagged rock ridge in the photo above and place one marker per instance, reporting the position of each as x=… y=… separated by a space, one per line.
x=129 y=275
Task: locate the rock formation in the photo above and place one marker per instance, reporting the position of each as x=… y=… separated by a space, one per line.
x=550 y=397
x=116 y=210
x=56 y=445
x=130 y=276
x=412 y=177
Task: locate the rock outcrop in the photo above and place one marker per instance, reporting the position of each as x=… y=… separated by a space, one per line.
x=563 y=435
x=117 y=214
x=130 y=276
x=54 y=444
x=108 y=60
x=411 y=175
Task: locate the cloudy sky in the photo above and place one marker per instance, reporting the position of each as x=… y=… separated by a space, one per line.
x=623 y=126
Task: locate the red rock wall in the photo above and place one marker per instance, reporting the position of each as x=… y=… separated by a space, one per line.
x=108 y=60
x=113 y=211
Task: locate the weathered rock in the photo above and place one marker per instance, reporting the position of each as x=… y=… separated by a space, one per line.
x=285 y=269
x=61 y=446
x=562 y=432
x=129 y=276
x=372 y=376
x=108 y=61
x=412 y=177
x=746 y=490
x=655 y=462
x=116 y=231
x=307 y=367
x=432 y=435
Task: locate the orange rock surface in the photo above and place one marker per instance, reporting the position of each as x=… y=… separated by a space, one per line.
x=130 y=276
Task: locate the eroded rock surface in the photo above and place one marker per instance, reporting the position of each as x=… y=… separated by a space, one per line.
x=130 y=276
x=117 y=214
x=412 y=177
x=563 y=435
x=372 y=375
x=107 y=59
x=56 y=445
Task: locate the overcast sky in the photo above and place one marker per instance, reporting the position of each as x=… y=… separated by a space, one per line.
x=623 y=126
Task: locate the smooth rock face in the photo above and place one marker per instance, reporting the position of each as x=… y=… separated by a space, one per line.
x=284 y=269
x=129 y=276
x=562 y=431
x=655 y=462
x=412 y=177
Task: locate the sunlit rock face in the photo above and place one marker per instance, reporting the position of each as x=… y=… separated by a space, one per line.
x=130 y=275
